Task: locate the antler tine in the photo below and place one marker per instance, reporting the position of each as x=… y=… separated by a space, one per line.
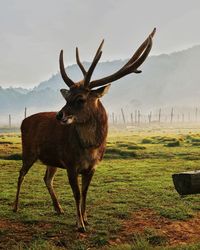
x=65 y=77
x=140 y=49
x=142 y=58
x=153 y=33
x=79 y=63
x=93 y=64
x=131 y=66
x=100 y=47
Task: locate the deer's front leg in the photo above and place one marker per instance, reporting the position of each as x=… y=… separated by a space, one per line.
x=86 y=179
x=48 y=179
x=73 y=180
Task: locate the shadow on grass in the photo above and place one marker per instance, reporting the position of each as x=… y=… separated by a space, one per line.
x=15 y=157
x=5 y=142
x=173 y=144
x=115 y=153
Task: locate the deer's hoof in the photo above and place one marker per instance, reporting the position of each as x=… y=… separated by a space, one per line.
x=81 y=229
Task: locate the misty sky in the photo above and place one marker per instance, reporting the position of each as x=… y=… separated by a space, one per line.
x=33 y=32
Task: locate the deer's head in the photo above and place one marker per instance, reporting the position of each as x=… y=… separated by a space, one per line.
x=81 y=97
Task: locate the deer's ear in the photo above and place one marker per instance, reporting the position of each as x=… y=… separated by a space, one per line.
x=98 y=93
x=64 y=93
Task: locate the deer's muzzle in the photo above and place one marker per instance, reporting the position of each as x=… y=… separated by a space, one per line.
x=69 y=119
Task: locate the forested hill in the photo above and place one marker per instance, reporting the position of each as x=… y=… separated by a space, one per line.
x=167 y=80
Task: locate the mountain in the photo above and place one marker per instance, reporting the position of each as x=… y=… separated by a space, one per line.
x=167 y=80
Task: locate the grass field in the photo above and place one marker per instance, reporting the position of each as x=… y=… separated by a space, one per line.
x=132 y=203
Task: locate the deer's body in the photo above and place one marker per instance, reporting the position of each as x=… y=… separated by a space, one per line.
x=73 y=147
x=76 y=148
x=75 y=137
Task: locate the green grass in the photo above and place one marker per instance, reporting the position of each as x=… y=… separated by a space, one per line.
x=143 y=244
x=134 y=175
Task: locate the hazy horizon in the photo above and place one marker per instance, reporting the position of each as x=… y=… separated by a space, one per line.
x=33 y=32
x=23 y=85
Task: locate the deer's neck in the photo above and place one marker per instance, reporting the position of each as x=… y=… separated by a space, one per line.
x=93 y=133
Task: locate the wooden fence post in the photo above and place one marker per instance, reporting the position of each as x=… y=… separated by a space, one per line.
x=132 y=119
x=172 y=115
x=196 y=114
x=183 y=118
x=149 y=116
x=123 y=116
x=135 y=116
x=113 y=118
x=10 y=123
x=139 y=115
x=159 y=116
x=25 y=112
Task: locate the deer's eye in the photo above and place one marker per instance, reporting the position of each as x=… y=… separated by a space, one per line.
x=80 y=102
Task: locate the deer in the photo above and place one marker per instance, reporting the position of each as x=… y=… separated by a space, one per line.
x=74 y=138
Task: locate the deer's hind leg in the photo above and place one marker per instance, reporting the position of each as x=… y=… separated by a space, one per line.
x=48 y=179
x=27 y=164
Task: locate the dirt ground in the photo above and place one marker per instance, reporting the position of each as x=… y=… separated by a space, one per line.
x=175 y=232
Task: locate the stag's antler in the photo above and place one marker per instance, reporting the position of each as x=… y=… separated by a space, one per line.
x=65 y=77
x=93 y=65
x=79 y=63
x=87 y=74
x=131 y=66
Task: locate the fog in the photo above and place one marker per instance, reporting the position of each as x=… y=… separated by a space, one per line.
x=33 y=32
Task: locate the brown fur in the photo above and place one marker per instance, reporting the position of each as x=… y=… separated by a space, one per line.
x=46 y=139
x=77 y=147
